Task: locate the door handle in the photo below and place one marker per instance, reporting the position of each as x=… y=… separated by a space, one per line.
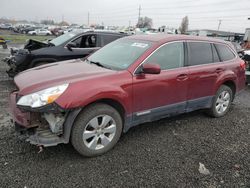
x=182 y=77
x=218 y=70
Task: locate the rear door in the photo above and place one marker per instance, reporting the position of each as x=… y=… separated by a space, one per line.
x=106 y=38
x=204 y=68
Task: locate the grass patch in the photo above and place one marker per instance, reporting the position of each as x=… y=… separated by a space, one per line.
x=20 y=38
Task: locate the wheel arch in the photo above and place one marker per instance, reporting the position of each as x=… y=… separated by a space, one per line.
x=231 y=84
x=72 y=116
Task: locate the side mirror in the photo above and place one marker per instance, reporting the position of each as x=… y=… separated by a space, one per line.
x=150 y=68
x=71 y=45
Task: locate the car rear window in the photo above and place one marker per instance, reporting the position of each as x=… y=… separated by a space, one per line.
x=224 y=52
x=200 y=53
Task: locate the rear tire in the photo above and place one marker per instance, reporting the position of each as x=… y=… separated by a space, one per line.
x=221 y=102
x=96 y=130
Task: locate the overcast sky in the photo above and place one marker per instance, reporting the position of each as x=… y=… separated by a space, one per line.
x=203 y=14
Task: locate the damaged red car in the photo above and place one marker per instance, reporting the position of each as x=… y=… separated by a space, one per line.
x=133 y=80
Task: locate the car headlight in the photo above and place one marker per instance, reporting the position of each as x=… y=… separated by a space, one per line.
x=42 y=97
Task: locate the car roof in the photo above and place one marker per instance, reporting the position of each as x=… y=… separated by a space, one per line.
x=82 y=31
x=170 y=37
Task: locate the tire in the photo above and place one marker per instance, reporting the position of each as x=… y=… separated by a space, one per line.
x=221 y=102
x=96 y=144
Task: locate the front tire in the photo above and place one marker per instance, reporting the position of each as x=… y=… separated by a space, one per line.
x=96 y=130
x=221 y=102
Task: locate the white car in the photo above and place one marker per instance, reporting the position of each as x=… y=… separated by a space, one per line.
x=40 y=32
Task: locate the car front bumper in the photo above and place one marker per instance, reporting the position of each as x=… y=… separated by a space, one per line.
x=37 y=125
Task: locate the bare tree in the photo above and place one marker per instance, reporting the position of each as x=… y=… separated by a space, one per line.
x=184 y=25
x=145 y=22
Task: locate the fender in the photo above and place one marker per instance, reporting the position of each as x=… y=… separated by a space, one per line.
x=82 y=99
x=226 y=76
x=48 y=60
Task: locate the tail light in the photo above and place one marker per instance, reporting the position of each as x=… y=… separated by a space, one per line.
x=243 y=65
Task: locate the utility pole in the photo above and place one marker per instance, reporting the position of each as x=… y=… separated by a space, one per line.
x=129 y=23
x=88 y=19
x=219 y=24
x=139 y=15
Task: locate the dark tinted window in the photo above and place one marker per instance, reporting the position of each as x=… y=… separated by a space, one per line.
x=215 y=54
x=86 y=41
x=108 y=38
x=168 y=56
x=224 y=52
x=199 y=53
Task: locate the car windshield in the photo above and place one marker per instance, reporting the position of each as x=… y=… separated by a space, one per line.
x=63 y=38
x=120 y=54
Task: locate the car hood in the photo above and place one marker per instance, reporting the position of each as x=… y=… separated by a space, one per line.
x=53 y=74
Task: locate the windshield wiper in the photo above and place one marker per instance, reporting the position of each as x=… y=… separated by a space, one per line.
x=98 y=64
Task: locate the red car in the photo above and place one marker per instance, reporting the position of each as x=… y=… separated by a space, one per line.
x=130 y=81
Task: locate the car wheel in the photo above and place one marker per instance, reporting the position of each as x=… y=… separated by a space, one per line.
x=33 y=33
x=96 y=130
x=221 y=101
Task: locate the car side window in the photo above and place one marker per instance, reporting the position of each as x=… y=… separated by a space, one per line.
x=78 y=42
x=169 y=56
x=86 y=41
x=224 y=52
x=199 y=53
x=106 y=38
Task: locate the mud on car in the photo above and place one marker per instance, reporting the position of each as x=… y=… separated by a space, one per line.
x=130 y=81
x=72 y=45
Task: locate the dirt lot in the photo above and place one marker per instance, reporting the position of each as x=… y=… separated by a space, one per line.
x=165 y=153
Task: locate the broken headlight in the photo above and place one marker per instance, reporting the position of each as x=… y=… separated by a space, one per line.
x=42 y=97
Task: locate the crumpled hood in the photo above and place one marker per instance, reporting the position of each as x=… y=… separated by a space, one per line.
x=53 y=74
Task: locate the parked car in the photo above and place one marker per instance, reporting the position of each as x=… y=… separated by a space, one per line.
x=6 y=26
x=130 y=81
x=3 y=42
x=76 y=44
x=26 y=30
x=40 y=32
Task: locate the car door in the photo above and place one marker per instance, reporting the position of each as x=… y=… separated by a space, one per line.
x=159 y=95
x=84 y=45
x=107 y=38
x=204 y=68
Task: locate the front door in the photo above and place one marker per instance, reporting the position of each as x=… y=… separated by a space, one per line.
x=159 y=95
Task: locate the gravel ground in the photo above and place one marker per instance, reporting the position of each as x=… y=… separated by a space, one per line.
x=166 y=153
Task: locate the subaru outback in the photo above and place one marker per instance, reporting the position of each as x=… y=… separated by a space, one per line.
x=130 y=81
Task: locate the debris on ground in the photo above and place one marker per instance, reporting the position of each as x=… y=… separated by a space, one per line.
x=203 y=169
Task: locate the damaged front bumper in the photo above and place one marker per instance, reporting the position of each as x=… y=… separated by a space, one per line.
x=43 y=127
x=15 y=59
x=11 y=62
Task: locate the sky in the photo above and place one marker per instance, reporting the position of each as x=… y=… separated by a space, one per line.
x=202 y=14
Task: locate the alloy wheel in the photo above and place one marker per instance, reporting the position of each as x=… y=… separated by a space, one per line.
x=99 y=132
x=222 y=102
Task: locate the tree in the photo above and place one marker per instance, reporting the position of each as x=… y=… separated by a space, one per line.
x=47 y=22
x=145 y=22
x=63 y=23
x=184 y=25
